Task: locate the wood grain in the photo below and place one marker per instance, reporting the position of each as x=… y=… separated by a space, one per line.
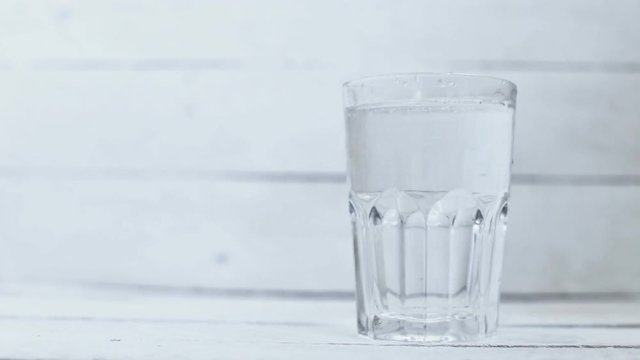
x=119 y=325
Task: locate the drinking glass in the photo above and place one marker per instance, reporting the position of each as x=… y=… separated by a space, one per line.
x=429 y=166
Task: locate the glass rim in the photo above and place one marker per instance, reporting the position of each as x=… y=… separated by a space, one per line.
x=380 y=77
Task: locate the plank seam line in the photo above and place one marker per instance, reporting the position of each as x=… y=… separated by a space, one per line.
x=344 y=295
x=83 y=318
x=576 y=66
x=328 y=177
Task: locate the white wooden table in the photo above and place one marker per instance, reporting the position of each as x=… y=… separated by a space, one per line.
x=112 y=323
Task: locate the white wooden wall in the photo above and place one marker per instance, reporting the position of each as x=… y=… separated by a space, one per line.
x=200 y=143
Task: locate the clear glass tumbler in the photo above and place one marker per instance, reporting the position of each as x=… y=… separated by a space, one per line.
x=429 y=166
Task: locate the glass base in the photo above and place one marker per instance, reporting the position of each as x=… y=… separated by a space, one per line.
x=421 y=329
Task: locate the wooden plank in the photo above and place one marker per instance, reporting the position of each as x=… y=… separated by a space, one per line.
x=282 y=121
x=572 y=239
x=43 y=340
x=90 y=303
x=568 y=123
x=258 y=235
x=175 y=231
x=362 y=34
x=112 y=326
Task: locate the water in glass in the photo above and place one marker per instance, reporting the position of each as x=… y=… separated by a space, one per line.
x=429 y=190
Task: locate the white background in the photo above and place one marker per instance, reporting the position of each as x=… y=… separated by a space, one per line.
x=200 y=143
